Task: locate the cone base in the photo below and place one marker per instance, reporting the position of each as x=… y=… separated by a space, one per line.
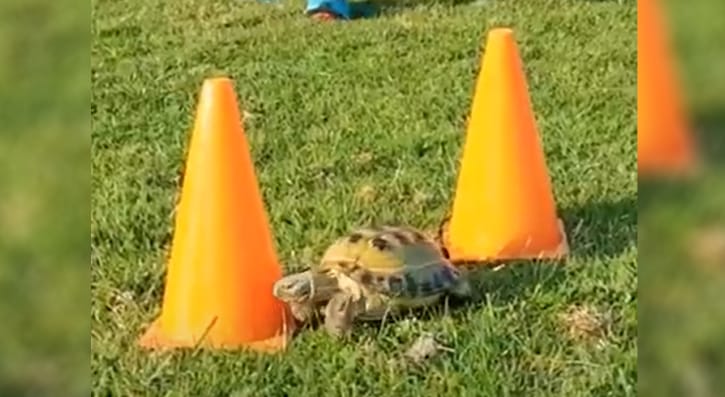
x=155 y=339
x=462 y=255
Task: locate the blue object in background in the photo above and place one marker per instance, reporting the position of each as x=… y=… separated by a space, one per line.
x=341 y=8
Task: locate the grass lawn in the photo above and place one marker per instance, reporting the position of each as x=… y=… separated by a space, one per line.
x=363 y=122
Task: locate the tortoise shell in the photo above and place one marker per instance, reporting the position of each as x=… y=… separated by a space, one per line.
x=396 y=261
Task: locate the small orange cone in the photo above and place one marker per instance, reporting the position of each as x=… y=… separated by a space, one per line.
x=504 y=206
x=665 y=144
x=223 y=262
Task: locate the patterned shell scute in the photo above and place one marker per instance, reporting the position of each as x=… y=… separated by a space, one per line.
x=396 y=261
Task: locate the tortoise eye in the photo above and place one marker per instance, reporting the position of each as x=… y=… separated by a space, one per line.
x=355 y=237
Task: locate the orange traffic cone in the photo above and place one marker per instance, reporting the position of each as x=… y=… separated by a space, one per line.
x=223 y=262
x=665 y=143
x=504 y=206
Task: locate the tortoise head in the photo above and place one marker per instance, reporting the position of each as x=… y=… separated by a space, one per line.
x=294 y=288
x=308 y=286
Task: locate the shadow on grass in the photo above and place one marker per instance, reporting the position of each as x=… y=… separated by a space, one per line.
x=601 y=229
x=498 y=287
x=657 y=192
x=710 y=127
x=518 y=279
x=24 y=387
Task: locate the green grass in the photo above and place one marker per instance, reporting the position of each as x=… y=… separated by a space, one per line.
x=378 y=105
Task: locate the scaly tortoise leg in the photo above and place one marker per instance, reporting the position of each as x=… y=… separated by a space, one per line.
x=340 y=313
x=302 y=312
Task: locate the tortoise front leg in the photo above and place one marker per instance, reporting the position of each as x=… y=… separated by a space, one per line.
x=304 y=312
x=340 y=313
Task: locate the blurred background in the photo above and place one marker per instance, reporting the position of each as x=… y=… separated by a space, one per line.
x=44 y=198
x=681 y=276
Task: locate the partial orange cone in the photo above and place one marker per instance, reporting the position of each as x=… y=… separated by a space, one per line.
x=223 y=262
x=504 y=206
x=665 y=142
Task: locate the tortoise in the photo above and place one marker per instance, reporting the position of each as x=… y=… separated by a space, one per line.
x=370 y=272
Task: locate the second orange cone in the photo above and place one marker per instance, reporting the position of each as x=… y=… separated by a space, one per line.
x=504 y=206
x=665 y=144
x=223 y=262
